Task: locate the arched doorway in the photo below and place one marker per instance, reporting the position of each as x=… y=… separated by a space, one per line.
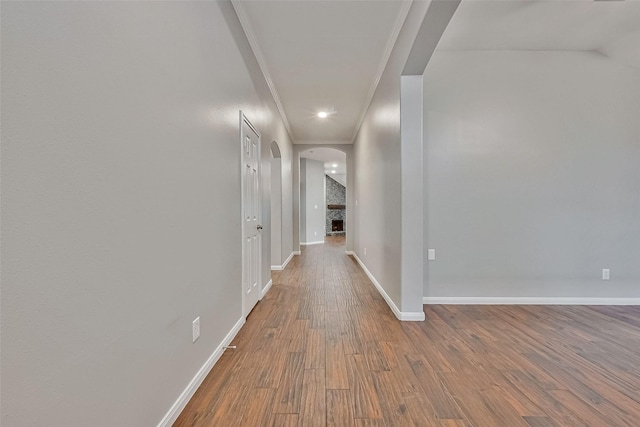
x=313 y=219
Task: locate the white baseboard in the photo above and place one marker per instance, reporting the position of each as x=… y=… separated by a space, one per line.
x=266 y=289
x=319 y=242
x=529 y=301
x=202 y=373
x=284 y=264
x=350 y=253
x=297 y=252
x=401 y=315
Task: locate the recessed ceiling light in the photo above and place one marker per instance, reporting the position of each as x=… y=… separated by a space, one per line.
x=333 y=171
x=323 y=114
x=334 y=165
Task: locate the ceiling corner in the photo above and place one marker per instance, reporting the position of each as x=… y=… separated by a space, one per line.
x=402 y=16
x=248 y=30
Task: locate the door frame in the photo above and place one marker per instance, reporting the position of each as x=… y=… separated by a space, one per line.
x=244 y=119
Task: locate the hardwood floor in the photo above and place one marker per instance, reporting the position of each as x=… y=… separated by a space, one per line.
x=323 y=349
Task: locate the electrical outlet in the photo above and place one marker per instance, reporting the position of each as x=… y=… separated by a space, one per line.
x=315 y=233
x=605 y=274
x=365 y=251
x=431 y=255
x=196 y=328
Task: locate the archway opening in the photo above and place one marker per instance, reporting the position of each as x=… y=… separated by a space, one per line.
x=323 y=196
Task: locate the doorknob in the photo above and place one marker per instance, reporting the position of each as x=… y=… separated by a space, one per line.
x=259 y=227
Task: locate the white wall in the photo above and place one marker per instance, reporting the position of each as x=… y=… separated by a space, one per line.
x=532 y=175
x=313 y=203
x=377 y=184
x=288 y=223
x=121 y=202
x=276 y=212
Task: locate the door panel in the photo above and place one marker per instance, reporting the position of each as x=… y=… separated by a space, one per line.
x=251 y=209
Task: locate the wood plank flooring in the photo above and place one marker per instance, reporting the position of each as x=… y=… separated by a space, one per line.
x=323 y=349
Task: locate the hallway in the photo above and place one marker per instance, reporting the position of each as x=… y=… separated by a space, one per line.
x=323 y=348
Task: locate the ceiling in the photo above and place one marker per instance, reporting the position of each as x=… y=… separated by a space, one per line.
x=330 y=157
x=611 y=28
x=322 y=56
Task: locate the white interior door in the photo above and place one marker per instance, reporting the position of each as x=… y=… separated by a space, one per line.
x=251 y=213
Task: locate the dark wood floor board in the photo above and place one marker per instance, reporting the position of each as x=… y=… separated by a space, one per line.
x=487 y=408
x=454 y=423
x=609 y=380
x=400 y=367
x=194 y=419
x=258 y=410
x=290 y=389
x=439 y=397
x=518 y=400
x=597 y=415
x=375 y=357
x=592 y=388
x=234 y=402
x=363 y=395
x=540 y=422
x=313 y=401
x=421 y=411
x=543 y=399
x=363 y=422
x=322 y=348
x=336 y=366
x=283 y=420
x=315 y=354
x=340 y=408
x=394 y=409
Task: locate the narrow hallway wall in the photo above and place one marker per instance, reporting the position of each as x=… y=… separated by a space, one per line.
x=121 y=202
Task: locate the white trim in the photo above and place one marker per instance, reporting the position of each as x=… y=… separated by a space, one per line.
x=297 y=252
x=319 y=142
x=406 y=315
x=393 y=38
x=245 y=23
x=266 y=288
x=319 y=242
x=284 y=265
x=530 y=301
x=177 y=407
x=350 y=253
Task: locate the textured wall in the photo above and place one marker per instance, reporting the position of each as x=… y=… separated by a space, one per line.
x=336 y=195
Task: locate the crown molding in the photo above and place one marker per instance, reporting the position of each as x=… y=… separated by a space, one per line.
x=402 y=16
x=319 y=142
x=243 y=17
